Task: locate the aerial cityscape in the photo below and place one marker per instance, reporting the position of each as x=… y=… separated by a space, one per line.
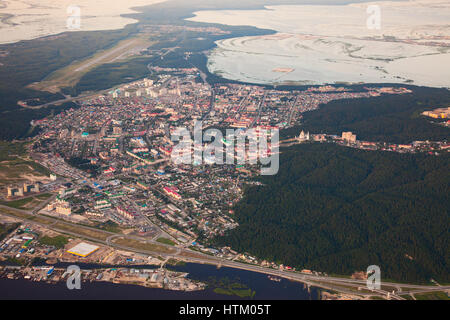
x=247 y=150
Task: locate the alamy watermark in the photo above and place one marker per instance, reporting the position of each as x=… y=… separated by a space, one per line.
x=74 y=17
x=373 y=22
x=74 y=277
x=253 y=146
x=373 y=277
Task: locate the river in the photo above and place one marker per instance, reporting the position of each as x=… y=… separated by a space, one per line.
x=265 y=289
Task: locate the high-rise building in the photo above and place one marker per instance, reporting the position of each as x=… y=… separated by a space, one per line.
x=349 y=136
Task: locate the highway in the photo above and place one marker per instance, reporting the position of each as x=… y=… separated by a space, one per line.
x=188 y=255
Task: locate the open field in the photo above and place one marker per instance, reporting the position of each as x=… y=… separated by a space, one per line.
x=18 y=170
x=135 y=244
x=166 y=241
x=15 y=167
x=11 y=150
x=70 y=75
x=58 y=225
x=438 y=295
x=25 y=203
x=57 y=241
x=43 y=220
x=82 y=231
x=15 y=213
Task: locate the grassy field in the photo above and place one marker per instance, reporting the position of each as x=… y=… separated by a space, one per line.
x=57 y=241
x=11 y=150
x=166 y=241
x=28 y=203
x=142 y=246
x=44 y=196
x=82 y=231
x=23 y=204
x=110 y=227
x=15 y=167
x=43 y=220
x=6 y=229
x=16 y=214
x=439 y=295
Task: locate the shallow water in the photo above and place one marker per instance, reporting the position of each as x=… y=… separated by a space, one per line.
x=318 y=44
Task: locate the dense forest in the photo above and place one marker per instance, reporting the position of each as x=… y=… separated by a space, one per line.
x=339 y=210
x=15 y=124
x=389 y=118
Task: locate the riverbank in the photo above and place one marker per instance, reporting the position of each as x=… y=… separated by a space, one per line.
x=263 y=288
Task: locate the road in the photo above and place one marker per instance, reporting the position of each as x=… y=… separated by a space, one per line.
x=59 y=102
x=201 y=258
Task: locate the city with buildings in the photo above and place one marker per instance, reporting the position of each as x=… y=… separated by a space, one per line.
x=113 y=154
x=112 y=170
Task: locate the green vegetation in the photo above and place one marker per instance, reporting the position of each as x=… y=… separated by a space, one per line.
x=14 y=163
x=339 y=210
x=43 y=196
x=13 y=170
x=228 y=287
x=389 y=118
x=175 y=262
x=13 y=261
x=111 y=74
x=16 y=214
x=11 y=150
x=18 y=204
x=109 y=226
x=57 y=241
x=166 y=241
x=439 y=295
x=31 y=61
x=82 y=231
x=140 y=245
x=6 y=229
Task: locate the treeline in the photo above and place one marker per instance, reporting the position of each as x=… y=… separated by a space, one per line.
x=339 y=210
x=15 y=124
x=31 y=61
x=390 y=118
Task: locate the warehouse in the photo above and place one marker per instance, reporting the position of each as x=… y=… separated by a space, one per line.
x=83 y=249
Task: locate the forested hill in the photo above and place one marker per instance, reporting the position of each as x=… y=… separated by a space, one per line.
x=339 y=210
x=388 y=118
